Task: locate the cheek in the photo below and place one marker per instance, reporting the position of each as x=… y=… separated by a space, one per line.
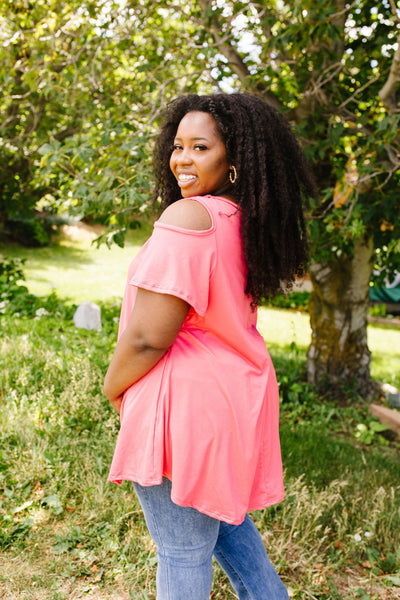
x=222 y=165
x=218 y=164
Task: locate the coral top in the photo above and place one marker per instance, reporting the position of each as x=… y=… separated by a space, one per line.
x=206 y=416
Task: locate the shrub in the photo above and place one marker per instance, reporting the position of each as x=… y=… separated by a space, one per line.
x=15 y=298
x=295 y=300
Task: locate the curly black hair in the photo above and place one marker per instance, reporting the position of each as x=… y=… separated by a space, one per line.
x=272 y=182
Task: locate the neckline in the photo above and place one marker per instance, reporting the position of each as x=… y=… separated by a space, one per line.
x=231 y=202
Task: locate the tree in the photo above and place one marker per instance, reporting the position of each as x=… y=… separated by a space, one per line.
x=334 y=69
x=84 y=83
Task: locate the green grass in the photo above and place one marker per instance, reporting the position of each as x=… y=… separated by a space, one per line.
x=75 y=268
x=66 y=533
x=78 y=271
x=284 y=327
x=384 y=342
x=281 y=328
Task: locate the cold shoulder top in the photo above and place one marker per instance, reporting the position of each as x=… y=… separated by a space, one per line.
x=206 y=416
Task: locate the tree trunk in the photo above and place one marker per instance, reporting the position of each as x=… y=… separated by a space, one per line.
x=338 y=356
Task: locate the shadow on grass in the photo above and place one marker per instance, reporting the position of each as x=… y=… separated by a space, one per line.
x=317 y=433
x=321 y=457
x=57 y=255
x=66 y=253
x=75 y=269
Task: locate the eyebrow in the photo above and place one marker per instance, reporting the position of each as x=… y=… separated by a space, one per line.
x=193 y=139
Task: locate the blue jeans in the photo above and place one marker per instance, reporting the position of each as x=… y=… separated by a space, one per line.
x=186 y=541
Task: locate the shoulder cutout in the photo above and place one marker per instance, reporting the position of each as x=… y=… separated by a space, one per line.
x=187 y=214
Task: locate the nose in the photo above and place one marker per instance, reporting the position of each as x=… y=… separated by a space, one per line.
x=184 y=157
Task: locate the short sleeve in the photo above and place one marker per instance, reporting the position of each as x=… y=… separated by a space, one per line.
x=179 y=262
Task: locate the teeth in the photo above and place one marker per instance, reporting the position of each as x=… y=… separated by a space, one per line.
x=184 y=177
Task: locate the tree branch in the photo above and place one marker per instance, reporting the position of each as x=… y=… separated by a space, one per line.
x=233 y=57
x=394 y=10
x=358 y=91
x=388 y=94
x=343 y=10
x=74 y=174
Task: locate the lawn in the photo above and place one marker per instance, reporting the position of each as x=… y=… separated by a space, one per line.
x=78 y=271
x=66 y=533
x=74 y=267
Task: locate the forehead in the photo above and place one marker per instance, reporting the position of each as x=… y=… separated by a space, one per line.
x=197 y=122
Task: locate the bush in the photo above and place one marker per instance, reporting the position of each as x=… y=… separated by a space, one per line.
x=296 y=300
x=29 y=231
x=15 y=298
x=34 y=230
x=11 y=291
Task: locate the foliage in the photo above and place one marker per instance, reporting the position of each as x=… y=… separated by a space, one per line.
x=31 y=231
x=325 y=64
x=377 y=310
x=65 y=530
x=367 y=433
x=82 y=83
x=302 y=406
x=15 y=298
x=297 y=300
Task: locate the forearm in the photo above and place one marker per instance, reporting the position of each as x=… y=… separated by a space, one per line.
x=154 y=324
x=129 y=363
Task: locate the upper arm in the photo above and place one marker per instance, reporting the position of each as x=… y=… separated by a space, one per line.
x=156 y=319
x=187 y=214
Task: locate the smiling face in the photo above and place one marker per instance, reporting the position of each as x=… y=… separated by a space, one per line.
x=199 y=160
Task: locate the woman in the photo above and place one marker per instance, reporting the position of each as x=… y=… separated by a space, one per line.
x=190 y=376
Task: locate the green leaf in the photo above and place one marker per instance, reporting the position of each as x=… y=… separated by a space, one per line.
x=61 y=548
x=45 y=149
x=54 y=503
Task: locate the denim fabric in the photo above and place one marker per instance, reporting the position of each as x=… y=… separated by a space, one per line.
x=186 y=541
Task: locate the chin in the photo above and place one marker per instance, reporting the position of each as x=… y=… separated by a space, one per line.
x=191 y=193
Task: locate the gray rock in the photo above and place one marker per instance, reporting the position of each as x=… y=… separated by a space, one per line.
x=393 y=400
x=88 y=316
x=392 y=395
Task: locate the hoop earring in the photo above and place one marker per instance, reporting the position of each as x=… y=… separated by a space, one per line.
x=232 y=174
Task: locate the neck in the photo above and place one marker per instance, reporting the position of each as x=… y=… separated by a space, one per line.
x=226 y=191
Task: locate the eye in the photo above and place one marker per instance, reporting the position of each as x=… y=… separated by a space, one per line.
x=176 y=147
x=200 y=147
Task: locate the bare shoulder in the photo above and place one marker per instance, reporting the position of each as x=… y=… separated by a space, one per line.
x=187 y=214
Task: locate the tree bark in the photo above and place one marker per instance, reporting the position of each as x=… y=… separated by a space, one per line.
x=338 y=356
x=388 y=93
